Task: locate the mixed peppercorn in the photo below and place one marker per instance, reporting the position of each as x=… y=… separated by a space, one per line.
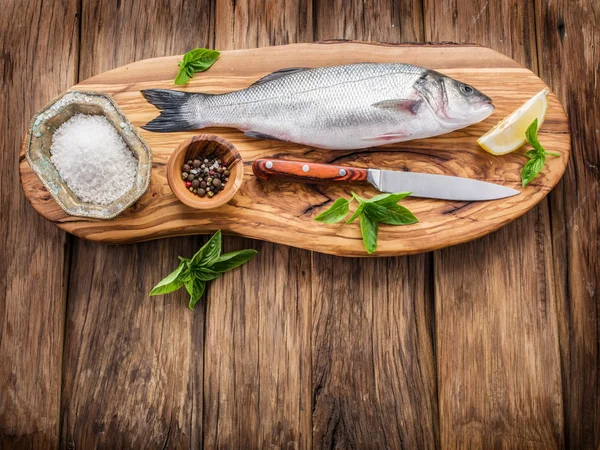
x=205 y=177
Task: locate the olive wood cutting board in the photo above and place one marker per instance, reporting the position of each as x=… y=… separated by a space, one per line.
x=283 y=212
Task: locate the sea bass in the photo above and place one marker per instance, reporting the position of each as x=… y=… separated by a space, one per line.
x=338 y=107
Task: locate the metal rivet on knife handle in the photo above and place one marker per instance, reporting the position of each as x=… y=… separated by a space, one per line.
x=269 y=164
x=305 y=168
x=342 y=172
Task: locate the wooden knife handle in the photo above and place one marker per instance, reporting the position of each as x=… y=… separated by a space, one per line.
x=305 y=172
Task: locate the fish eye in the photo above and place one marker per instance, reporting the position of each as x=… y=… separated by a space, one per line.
x=466 y=89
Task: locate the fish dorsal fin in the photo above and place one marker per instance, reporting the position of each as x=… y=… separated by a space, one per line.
x=400 y=104
x=279 y=73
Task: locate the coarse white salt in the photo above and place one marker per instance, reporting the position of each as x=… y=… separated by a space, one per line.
x=93 y=159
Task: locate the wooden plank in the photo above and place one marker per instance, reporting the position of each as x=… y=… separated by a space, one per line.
x=496 y=310
x=569 y=40
x=133 y=364
x=284 y=212
x=257 y=359
x=32 y=267
x=372 y=344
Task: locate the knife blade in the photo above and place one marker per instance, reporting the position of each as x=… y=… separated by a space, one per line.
x=443 y=187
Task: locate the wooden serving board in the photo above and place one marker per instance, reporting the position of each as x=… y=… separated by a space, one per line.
x=284 y=212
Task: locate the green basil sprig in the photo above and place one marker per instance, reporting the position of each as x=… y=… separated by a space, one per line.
x=382 y=208
x=537 y=156
x=197 y=60
x=206 y=265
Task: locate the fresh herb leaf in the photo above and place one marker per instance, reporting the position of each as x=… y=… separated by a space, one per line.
x=357 y=213
x=195 y=288
x=197 y=60
x=382 y=208
x=335 y=212
x=378 y=198
x=369 y=230
x=391 y=199
x=205 y=274
x=207 y=264
x=232 y=260
x=209 y=251
x=169 y=283
x=537 y=156
x=391 y=215
x=531 y=135
x=531 y=169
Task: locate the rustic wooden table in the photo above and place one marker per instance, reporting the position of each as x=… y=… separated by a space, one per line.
x=494 y=343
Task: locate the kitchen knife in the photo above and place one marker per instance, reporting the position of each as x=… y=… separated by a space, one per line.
x=420 y=184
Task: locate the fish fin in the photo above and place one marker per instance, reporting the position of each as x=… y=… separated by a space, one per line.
x=387 y=137
x=176 y=112
x=258 y=135
x=279 y=73
x=401 y=104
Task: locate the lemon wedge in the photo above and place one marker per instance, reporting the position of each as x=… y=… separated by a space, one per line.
x=509 y=134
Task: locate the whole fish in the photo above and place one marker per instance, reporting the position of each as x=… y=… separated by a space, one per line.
x=338 y=107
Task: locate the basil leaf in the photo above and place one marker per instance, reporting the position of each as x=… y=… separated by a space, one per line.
x=203 y=56
x=209 y=251
x=379 y=197
x=357 y=213
x=531 y=169
x=182 y=76
x=391 y=199
x=205 y=274
x=195 y=288
x=531 y=135
x=335 y=212
x=185 y=275
x=369 y=230
x=402 y=211
x=169 y=283
x=196 y=60
x=232 y=260
x=391 y=215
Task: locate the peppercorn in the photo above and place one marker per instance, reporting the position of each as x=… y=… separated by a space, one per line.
x=216 y=183
x=197 y=163
x=186 y=167
x=191 y=177
x=195 y=183
x=203 y=184
x=188 y=184
x=226 y=172
x=191 y=189
x=211 y=194
x=209 y=180
x=184 y=175
x=190 y=162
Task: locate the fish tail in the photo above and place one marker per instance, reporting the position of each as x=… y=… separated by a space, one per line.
x=177 y=112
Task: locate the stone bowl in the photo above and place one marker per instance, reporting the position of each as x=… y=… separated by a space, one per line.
x=39 y=141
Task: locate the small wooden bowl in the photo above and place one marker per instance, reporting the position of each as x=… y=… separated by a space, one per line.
x=204 y=145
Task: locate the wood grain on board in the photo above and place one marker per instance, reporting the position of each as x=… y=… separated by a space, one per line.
x=283 y=212
x=499 y=380
x=569 y=40
x=257 y=366
x=373 y=361
x=133 y=372
x=33 y=262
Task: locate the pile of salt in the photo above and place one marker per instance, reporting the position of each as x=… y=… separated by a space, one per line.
x=93 y=159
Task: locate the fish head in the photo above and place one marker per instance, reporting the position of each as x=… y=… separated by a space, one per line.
x=454 y=103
